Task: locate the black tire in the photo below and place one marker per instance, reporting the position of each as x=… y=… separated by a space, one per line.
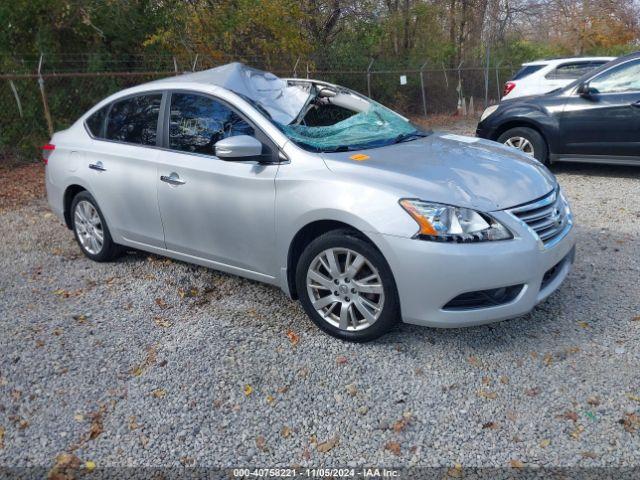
x=347 y=239
x=110 y=250
x=540 y=147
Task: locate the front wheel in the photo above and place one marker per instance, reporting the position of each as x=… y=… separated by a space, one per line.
x=526 y=140
x=346 y=287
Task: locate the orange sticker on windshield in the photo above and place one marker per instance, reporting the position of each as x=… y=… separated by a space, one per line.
x=359 y=157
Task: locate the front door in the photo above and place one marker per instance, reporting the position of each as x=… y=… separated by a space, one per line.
x=221 y=211
x=606 y=122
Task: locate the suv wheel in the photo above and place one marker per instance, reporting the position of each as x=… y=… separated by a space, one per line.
x=527 y=140
x=346 y=287
x=90 y=229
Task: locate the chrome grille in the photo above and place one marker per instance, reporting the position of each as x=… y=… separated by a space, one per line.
x=549 y=217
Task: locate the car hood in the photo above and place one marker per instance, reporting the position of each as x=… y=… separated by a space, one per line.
x=451 y=169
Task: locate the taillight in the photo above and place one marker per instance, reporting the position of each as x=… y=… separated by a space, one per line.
x=507 y=88
x=47 y=150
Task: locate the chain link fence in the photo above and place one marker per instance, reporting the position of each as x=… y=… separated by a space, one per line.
x=42 y=94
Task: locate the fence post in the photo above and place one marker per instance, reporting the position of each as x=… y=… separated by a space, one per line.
x=486 y=78
x=295 y=68
x=195 y=62
x=498 y=80
x=369 y=78
x=45 y=104
x=424 y=97
x=175 y=65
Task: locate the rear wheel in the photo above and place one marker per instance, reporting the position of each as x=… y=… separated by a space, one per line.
x=346 y=287
x=527 y=140
x=90 y=229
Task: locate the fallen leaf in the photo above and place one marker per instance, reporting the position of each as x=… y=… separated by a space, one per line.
x=570 y=415
x=532 y=392
x=90 y=465
x=473 y=360
x=504 y=379
x=133 y=425
x=393 y=447
x=363 y=410
x=270 y=399
x=248 y=390
x=631 y=423
x=341 y=360
x=455 y=471
x=548 y=359
x=576 y=433
x=584 y=325
x=595 y=401
x=635 y=398
x=487 y=394
x=516 y=464
x=161 y=303
x=591 y=455
x=324 y=447
x=65 y=467
x=545 y=443
x=636 y=319
x=486 y=380
x=78 y=417
x=39 y=343
x=261 y=442
x=22 y=424
x=159 y=393
x=80 y=318
x=2 y=437
x=400 y=425
x=293 y=337
x=162 y=322
x=285 y=432
x=351 y=389
x=491 y=425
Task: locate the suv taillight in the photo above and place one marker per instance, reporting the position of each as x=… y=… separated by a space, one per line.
x=47 y=150
x=507 y=88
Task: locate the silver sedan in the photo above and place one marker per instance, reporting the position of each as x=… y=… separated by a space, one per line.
x=344 y=204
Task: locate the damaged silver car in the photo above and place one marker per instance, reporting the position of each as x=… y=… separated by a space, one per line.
x=344 y=204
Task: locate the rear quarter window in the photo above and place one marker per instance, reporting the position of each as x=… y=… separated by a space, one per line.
x=526 y=71
x=95 y=123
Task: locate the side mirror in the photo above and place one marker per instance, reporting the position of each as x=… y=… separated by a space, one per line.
x=238 y=148
x=584 y=90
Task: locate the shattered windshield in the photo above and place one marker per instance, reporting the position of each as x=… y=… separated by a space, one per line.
x=375 y=127
x=344 y=121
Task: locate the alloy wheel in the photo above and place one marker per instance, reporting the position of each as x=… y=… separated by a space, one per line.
x=89 y=227
x=522 y=144
x=345 y=289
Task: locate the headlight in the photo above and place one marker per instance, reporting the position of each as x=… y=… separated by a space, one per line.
x=446 y=223
x=488 y=111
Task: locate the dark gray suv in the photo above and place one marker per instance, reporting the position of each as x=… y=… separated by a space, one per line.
x=594 y=119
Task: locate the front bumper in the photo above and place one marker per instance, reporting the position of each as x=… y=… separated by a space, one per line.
x=428 y=275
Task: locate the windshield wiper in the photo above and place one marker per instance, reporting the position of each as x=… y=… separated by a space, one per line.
x=405 y=137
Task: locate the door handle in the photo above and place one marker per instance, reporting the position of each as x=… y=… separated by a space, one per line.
x=172 y=179
x=97 y=166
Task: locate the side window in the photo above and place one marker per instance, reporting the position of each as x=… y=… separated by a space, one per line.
x=95 y=123
x=197 y=122
x=570 y=71
x=526 y=70
x=623 y=78
x=135 y=120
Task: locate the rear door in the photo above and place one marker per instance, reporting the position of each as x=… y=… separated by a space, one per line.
x=221 y=211
x=121 y=167
x=606 y=122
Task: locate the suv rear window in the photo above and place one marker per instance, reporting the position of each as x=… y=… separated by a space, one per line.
x=571 y=71
x=526 y=71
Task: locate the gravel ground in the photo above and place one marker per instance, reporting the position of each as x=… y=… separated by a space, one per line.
x=152 y=362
